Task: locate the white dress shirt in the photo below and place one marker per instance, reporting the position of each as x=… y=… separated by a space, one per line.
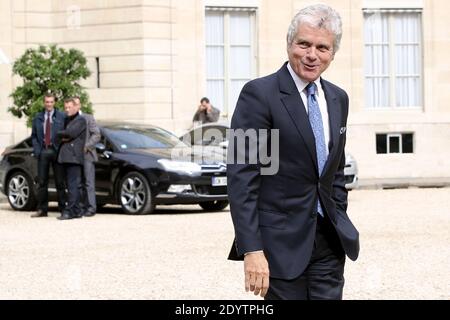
x=320 y=97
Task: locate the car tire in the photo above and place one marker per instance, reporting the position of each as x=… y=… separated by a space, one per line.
x=20 y=192
x=135 y=195
x=214 y=205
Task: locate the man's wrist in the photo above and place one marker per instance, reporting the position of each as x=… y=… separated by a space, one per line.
x=250 y=252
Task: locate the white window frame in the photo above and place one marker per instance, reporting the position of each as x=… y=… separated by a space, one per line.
x=392 y=4
x=388 y=142
x=226 y=44
x=392 y=59
x=232 y=3
x=398 y=135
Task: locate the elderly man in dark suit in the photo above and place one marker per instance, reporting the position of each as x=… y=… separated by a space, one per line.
x=71 y=155
x=292 y=227
x=88 y=199
x=46 y=124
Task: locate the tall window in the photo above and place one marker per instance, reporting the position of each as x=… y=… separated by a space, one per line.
x=393 y=58
x=230 y=58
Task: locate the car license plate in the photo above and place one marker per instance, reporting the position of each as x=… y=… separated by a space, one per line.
x=219 y=181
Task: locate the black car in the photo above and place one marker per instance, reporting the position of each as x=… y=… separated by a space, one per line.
x=139 y=166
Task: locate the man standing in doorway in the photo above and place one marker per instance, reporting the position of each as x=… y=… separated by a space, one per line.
x=45 y=126
x=206 y=112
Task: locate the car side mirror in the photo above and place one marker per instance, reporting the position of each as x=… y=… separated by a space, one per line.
x=100 y=147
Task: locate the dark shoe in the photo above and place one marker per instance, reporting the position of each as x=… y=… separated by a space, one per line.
x=77 y=216
x=89 y=214
x=39 y=214
x=65 y=217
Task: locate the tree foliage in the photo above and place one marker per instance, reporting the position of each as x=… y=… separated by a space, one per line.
x=48 y=69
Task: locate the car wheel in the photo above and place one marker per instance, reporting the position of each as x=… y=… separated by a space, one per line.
x=20 y=192
x=214 y=205
x=135 y=195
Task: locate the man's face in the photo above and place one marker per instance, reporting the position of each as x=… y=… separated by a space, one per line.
x=70 y=108
x=205 y=105
x=311 y=52
x=49 y=103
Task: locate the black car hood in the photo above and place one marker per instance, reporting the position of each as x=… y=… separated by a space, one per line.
x=197 y=154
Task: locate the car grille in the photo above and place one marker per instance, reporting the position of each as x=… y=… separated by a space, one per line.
x=210 y=190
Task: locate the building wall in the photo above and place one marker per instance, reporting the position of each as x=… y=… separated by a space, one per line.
x=152 y=68
x=431 y=124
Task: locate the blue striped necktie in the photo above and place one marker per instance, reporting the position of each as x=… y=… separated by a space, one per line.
x=315 y=119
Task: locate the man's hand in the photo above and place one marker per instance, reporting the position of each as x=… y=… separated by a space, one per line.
x=256 y=273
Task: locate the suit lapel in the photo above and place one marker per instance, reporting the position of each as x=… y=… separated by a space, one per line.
x=334 y=115
x=53 y=132
x=296 y=109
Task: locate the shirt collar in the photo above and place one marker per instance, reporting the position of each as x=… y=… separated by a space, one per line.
x=51 y=113
x=301 y=84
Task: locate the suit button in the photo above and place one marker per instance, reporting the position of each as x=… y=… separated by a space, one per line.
x=313 y=215
x=318 y=185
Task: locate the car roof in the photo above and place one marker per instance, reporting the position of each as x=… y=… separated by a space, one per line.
x=125 y=125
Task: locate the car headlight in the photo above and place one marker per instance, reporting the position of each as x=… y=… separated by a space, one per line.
x=185 y=167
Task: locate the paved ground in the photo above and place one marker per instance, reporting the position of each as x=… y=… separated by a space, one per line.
x=180 y=252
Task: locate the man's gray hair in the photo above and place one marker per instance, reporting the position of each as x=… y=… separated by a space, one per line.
x=318 y=16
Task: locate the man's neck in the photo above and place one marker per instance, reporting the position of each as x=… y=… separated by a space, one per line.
x=71 y=117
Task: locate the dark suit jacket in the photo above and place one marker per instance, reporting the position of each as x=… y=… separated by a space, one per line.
x=72 y=151
x=277 y=213
x=37 y=131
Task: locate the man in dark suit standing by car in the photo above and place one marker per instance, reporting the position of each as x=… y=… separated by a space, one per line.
x=71 y=155
x=88 y=199
x=291 y=226
x=46 y=124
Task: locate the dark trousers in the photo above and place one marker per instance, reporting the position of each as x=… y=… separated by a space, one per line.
x=46 y=159
x=87 y=188
x=323 y=278
x=73 y=181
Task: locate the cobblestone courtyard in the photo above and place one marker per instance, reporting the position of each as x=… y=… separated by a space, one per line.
x=180 y=252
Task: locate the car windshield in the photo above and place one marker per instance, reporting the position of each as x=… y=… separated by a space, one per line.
x=142 y=138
